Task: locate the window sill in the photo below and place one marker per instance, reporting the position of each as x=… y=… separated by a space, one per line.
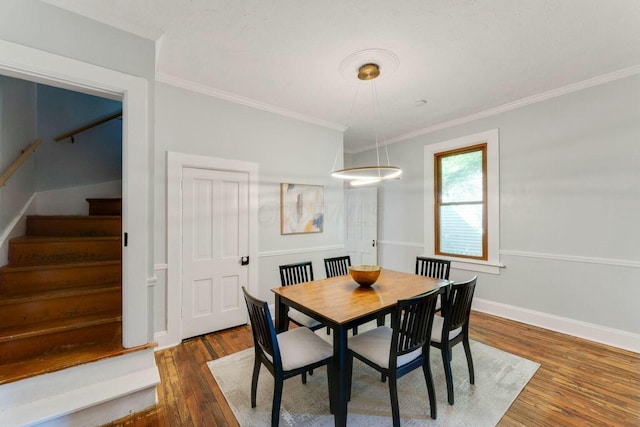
x=477 y=266
x=489 y=267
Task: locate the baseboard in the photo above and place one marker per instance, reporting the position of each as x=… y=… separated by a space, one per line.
x=589 y=331
x=164 y=340
x=15 y=228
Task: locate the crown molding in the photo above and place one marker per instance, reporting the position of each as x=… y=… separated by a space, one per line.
x=227 y=96
x=564 y=90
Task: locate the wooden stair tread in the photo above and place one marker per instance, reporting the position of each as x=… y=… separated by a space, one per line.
x=60 y=293
x=55 y=326
x=58 y=360
x=74 y=217
x=16 y=268
x=46 y=239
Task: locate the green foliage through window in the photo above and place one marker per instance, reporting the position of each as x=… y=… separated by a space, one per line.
x=462 y=177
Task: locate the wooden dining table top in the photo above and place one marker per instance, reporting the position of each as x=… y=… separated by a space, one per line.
x=341 y=300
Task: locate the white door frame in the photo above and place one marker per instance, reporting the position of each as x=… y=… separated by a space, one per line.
x=137 y=268
x=175 y=163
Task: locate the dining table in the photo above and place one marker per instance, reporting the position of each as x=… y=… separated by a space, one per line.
x=341 y=304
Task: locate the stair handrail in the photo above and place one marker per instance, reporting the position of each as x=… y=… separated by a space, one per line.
x=18 y=162
x=71 y=134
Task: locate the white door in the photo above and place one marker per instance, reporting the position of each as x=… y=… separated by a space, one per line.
x=215 y=239
x=361 y=220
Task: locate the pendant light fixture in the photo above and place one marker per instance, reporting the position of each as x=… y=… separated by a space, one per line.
x=364 y=175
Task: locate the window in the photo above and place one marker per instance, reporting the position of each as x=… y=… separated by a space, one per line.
x=461 y=202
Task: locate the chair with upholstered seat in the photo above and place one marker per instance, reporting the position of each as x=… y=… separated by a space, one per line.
x=453 y=327
x=292 y=274
x=337 y=266
x=285 y=355
x=400 y=349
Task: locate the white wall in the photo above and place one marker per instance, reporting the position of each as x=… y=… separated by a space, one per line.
x=94 y=157
x=39 y=25
x=570 y=196
x=17 y=132
x=73 y=200
x=285 y=150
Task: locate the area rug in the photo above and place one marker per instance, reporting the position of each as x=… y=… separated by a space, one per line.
x=499 y=378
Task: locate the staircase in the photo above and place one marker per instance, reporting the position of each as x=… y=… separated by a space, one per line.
x=61 y=293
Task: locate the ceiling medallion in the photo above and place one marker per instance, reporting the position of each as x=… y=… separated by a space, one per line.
x=386 y=61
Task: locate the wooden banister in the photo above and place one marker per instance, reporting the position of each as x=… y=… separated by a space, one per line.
x=19 y=161
x=72 y=133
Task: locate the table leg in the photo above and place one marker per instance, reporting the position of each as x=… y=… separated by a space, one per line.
x=340 y=376
x=282 y=321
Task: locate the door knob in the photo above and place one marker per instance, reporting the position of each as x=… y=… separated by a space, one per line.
x=244 y=260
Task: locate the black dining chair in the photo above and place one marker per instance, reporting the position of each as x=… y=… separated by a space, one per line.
x=400 y=349
x=292 y=274
x=337 y=266
x=433 y=267
x=285 y=355
x=300 y=272
x=453 y=327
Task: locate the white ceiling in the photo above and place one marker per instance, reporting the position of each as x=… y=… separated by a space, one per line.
x=463 y=57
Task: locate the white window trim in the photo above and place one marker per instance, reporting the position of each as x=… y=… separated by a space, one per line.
x=492 y=138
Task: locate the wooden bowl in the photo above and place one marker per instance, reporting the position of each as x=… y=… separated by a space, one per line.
x=365 y=275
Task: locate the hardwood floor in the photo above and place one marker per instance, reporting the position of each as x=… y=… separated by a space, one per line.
x=579 y=382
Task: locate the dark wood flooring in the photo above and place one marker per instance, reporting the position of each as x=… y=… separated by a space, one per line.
x=579 y=383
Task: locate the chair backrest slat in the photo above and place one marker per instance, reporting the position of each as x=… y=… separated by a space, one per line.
x=337 y=266
x=433 y=267
x=291 y=274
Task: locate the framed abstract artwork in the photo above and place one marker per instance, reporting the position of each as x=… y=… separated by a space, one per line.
x=301 y=208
